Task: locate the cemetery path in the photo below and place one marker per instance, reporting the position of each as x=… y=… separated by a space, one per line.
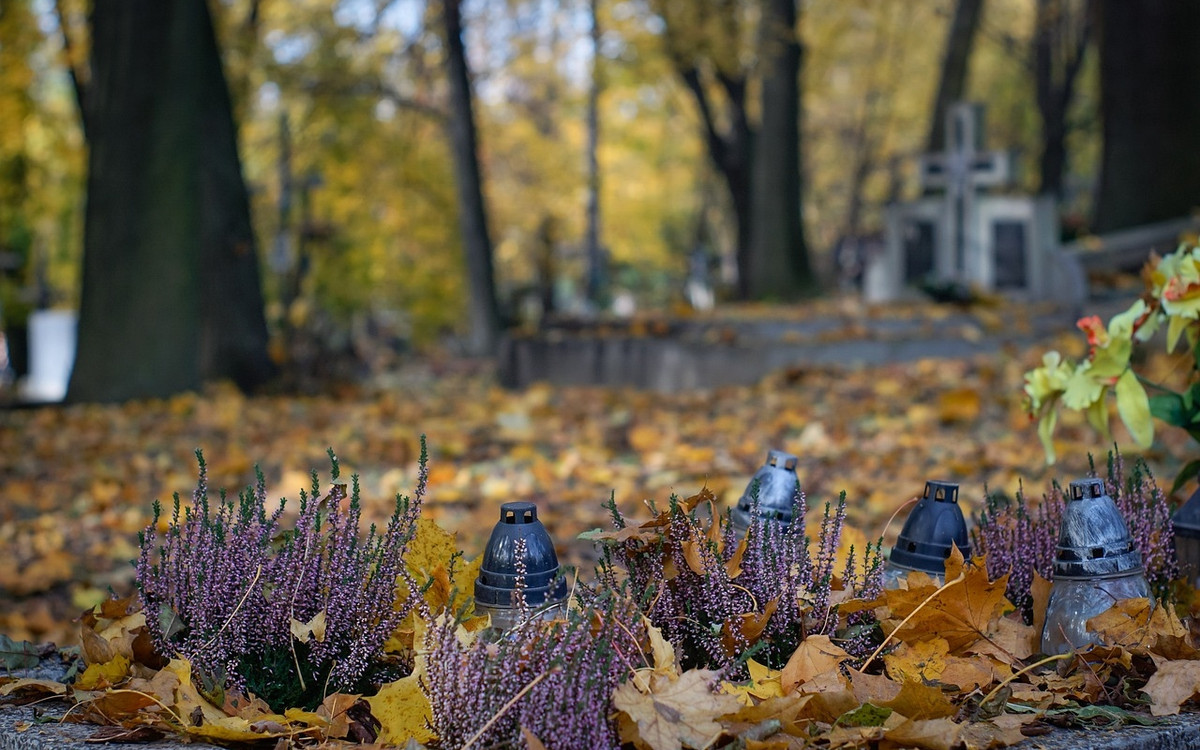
x=76 y=483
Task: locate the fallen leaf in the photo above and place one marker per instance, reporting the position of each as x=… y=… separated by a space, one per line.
x=933 y=734
x=750 y=625
x=1002 y=731
x=815 y=655
x=675 y=713
x=962 y=614
x=403 y=711
x=531 y=740
x=334 y=709
x=27 y=686
x=1175 y=683
x=873 y=688
x=103 y=675
x=764 y=683
x=787 y=710
x=17 y=654
x=313 y=629
x=919 y=701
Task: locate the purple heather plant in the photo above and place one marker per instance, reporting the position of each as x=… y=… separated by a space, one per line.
x=554 y=678
x=1019 y=538
x=222 y=587
x=701 y=613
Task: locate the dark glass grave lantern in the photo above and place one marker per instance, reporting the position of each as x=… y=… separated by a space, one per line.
x=1187 y=538
x=1096 y=563
x=777 y=487
x=545 y=590
x=929 y=534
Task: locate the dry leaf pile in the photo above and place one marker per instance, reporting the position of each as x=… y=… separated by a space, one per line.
x=958 y=668
x=77 y=482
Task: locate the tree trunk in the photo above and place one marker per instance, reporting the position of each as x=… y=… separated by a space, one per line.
x=730 y=153
x=595 y=271
x=171 y=293
x=1059 y=42
x=472 y=213
x=960 y=40
x=1150 y=107
x=778 y=264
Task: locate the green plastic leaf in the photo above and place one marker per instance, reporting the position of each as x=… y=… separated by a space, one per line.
x=1175 y=328
x=1097 y=415
x=1189 y=471
x=866 y=715
x=169 y=622
x=1134 y=408
x=17 y=654
x=1046 y=432
x=1169 y=407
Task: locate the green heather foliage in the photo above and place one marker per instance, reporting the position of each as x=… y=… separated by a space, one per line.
x=225 y=585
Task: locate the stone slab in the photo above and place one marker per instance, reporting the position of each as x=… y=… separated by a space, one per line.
x=19 y=732
x=689 y=355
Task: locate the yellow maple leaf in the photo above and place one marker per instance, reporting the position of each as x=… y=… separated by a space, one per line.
x=198 y=717
x=763 y=683
x=675 y=713
x=403 y=709
x=962 y=614
x=109 y=673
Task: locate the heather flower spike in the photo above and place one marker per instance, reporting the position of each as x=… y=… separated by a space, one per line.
x=725 y=594
x=1020 y=538
x=224 y=584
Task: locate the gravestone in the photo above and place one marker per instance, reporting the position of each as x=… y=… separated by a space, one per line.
x=1001 y=243
x=51 y=355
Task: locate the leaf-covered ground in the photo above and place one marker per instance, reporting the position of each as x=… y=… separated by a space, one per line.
x=76 y=483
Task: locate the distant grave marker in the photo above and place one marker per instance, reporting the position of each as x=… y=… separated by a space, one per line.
x=999 y=243
x=51 y=355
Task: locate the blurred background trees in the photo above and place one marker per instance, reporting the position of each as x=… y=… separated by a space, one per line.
x=741 y=138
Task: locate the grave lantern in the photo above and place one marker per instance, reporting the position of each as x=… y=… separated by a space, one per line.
x=1187 y=538
x=774 y=488
x=1096 y=563
x=932 y=528
x=545 y=590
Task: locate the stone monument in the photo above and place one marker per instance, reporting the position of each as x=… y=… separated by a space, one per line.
x=1000 y=243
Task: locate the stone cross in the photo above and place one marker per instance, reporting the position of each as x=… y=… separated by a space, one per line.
x=961 y=170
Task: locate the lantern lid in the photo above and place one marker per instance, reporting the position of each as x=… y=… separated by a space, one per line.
x=775 y=487
x=932 y=528
x=498 y=573
x=1187 y=519
x=1094 y=540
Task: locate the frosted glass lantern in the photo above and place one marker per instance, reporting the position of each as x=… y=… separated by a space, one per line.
x=1096 y=563
x=770 y=495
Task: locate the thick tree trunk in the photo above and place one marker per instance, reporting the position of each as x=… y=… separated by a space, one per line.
x=171 y=293
x=730 y=153
x=472 y=213
x=960 y=41
x=1150 y=107
x=1059 y=42
x=595 y=271
x=778 y=264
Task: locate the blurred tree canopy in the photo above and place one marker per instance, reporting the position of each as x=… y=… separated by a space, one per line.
x=344 y=114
